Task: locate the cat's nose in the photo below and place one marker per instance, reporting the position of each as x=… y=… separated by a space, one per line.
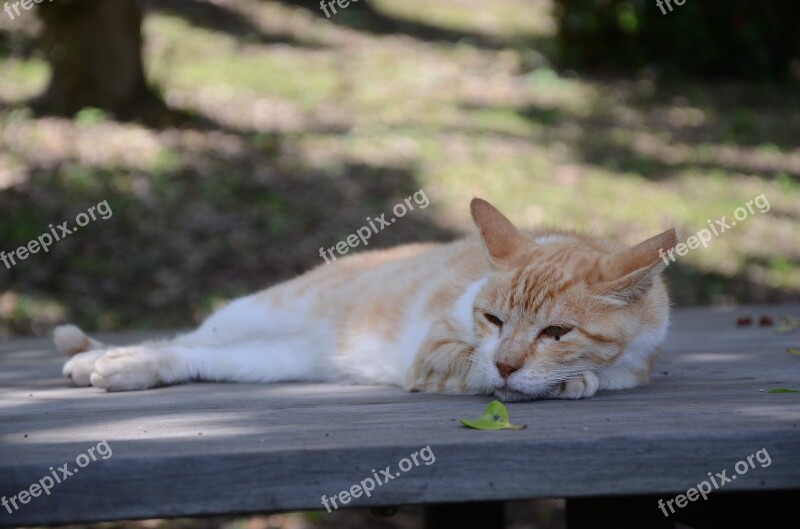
x=505 y=369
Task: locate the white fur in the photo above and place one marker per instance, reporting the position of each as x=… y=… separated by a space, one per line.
x=484 y=374
x=249 y=340
x=581 y=387
x=622 y=374
x=254 y=339
x=79 y=368
x=371 y=358
x=69 y=339
x=550 y=239
x=462 y=311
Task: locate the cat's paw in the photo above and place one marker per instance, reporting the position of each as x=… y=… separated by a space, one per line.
x=582 y=386
x=129 y=368
x=79 y=368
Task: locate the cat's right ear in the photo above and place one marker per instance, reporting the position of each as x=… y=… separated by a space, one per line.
x=502 y=240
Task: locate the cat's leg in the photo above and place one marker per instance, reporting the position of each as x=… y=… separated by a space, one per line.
x=250 y=340
x=165 y=363
x=628 y=373
x=623 y=376
x=79 y=368
x=632 y=370
x=84 y=351
x=582 y=386
x=444 y=365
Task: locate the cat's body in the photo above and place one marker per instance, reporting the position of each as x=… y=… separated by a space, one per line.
x=541 y=315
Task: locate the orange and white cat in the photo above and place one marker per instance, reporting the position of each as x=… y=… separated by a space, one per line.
x=519 y=315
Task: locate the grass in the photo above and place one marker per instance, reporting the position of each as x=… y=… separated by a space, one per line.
x=316 y=124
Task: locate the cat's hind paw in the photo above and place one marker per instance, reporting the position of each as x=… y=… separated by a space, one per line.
x=130 y=368
x=79 y=368
x=582 y=386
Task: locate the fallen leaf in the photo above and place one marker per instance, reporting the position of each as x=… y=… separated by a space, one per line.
x=783 y=390
x=792 y=351
x=494 y=418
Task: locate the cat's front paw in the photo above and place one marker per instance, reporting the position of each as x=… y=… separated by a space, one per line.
x=582 y=386
x=129 y=368
x=79 y=368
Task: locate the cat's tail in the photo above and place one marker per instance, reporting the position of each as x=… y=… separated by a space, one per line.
x=70 y=340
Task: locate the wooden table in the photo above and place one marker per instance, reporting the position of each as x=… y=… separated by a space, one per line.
x=206 y=449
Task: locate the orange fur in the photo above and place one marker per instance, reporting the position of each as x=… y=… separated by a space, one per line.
x=544 y=314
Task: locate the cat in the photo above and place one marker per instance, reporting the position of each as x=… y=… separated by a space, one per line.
x=522 y=316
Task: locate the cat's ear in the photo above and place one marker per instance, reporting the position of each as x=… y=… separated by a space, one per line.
x=630 y=273
x=502 y=240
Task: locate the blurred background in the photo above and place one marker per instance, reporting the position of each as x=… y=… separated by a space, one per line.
x=234 y=138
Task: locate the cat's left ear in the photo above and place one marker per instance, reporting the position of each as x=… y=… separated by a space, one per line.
x=502 y=240
x=631 y=273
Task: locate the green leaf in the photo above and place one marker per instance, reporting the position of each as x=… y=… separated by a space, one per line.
x=793 y=351
x=783 y=390
x=494 y=418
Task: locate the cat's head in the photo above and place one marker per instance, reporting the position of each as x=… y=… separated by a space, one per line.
x=557 y=304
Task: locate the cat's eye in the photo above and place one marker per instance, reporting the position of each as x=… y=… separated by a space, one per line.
x=556 y=331
x=494 y=320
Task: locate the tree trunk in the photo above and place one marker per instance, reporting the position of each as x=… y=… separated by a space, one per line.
x=94 y=49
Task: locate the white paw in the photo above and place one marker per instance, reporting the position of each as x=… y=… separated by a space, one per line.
x=582 y=386
x=79 y=368
x=130 y=368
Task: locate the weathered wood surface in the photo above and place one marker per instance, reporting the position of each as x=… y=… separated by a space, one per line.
x=234 y=448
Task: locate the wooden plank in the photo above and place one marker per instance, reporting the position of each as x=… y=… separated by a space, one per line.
x=237 y=448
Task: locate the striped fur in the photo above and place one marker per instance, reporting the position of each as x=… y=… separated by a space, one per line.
x=426 y=317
